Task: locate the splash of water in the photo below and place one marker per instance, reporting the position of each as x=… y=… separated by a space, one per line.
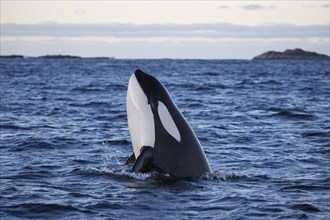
x=112 y=165
x=111 y=155
x=221 y=176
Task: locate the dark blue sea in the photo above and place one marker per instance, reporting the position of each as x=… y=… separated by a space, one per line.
x=264 y=126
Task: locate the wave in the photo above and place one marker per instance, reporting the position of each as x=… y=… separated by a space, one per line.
x=294 y=114
x=206 y=86
x=90 y=104
x=306 y=207
x=13 y=127
x=210 y=86
x=32 y=145
x=316 y=134
x=99 y=88
x=23 y=127
x=304 y=188
x=116 y=142
x=87 y=89
x=38 y=209
x=211 y=73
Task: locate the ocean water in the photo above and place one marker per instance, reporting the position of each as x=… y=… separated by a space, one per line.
x=264 y=126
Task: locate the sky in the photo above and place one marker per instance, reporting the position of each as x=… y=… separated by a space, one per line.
x=163 y=29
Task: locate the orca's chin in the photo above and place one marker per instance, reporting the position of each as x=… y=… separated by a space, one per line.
x=140 y=117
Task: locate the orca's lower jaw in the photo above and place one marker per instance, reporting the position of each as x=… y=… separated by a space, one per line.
x=140 y=117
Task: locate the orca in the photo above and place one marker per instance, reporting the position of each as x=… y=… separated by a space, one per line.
x=161 y=137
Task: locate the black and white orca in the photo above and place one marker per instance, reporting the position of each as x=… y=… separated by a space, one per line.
x=161 y=137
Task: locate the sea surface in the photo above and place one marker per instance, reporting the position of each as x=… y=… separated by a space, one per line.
x=264 y=126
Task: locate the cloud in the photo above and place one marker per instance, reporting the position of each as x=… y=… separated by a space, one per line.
x=223 y=7
x=128 y=30
x=80 y=11
x=257 y=7
x=327 y=6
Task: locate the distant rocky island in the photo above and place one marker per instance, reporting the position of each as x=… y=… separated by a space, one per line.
x=12 y=56
x=59 y=57
x=291 y=54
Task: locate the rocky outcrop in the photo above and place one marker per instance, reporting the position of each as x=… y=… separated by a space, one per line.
x=291 y=54
x=59 y=57
x=12 y=56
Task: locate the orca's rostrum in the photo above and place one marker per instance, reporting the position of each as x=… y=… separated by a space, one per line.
x=161 y=137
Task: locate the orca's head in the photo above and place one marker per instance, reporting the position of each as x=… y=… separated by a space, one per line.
x=152 y=88
x=146 y=96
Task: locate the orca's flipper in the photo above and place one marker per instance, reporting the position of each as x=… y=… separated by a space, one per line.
x=144 y=161
x=130 y=159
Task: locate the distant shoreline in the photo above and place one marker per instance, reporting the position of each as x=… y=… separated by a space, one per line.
x=295 y=54
x=59 y=56
x=109 y=58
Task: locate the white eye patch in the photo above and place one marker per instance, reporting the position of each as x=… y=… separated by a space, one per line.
x=167 y=121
